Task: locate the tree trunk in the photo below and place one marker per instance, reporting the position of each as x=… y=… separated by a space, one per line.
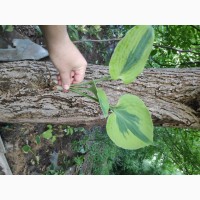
x=27 y=95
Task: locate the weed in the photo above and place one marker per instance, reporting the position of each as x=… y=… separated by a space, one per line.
x=48 y=134
x=70 y=130
x=26 y=149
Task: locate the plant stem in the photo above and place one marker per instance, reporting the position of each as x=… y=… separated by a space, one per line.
x=106 y=78
x=77 y=88
x=83 y=94
x=112 y=108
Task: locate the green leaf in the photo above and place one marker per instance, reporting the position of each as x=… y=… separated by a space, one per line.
x=130 y=125
x=154 y=52
x=73 y=32
x=38 y=30
x=81 y=129
x=26 y=148
x=103 y=100
x=53 y=139
x=47 y=134
x=131 y=54
x=78 y=91
x=93 y=89
x=70 y=130
x=37 y=139
x=8 y=28
x=49 y=126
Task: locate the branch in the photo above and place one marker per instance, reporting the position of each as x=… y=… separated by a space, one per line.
x=118 y=39
x=195 y=27
x=179 y=50
x=175 y=65
x=190 y=63
x=164 y=65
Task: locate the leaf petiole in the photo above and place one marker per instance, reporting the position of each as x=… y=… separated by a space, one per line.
x=106 y=78
x=84 y=94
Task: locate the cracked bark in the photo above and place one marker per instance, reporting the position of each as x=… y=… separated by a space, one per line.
x=27 y=95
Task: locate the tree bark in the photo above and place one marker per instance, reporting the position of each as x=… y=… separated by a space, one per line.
x=27 y=95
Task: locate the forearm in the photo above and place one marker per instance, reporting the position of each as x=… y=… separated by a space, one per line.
x=65 y=56
x=56 y=36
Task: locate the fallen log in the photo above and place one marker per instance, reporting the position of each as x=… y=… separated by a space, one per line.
x=27 y=95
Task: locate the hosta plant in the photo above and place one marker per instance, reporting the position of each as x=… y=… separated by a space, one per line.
x=129 y=124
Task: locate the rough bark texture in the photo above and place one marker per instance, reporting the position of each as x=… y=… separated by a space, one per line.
x=27 y=95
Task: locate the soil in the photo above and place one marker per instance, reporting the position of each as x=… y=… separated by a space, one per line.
x=41 y=158
x=15 y=136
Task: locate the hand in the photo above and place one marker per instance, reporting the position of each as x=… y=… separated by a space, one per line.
x=64 y=55
x=70 y=64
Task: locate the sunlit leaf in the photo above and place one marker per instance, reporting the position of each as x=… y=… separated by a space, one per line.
x=93 y=89
x=49 y=126
x=131 y=54
x=70 y=130
x=47 y=134
x=130 y=125
x=103 y=100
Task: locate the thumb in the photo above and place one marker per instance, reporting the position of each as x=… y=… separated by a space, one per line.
x=65 y=79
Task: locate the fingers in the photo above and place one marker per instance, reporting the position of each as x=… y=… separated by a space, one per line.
x=65 y=80
x=78 y=76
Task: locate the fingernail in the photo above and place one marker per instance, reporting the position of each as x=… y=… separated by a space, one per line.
x=66 y=87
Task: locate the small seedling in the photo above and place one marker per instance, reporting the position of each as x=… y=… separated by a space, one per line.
x=48 y=134
x=26 y=149
x=37 y=139
x=70 y=130
x=79 y=160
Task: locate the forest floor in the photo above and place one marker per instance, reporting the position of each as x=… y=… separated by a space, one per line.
x=66 y=155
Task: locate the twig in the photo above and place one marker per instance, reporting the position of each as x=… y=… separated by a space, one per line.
x=172 y=65
x=179 y=50
x=118 y=39
x=195 y=27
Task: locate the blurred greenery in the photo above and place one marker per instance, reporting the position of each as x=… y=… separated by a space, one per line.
x=174 y=45
x=176 y=151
